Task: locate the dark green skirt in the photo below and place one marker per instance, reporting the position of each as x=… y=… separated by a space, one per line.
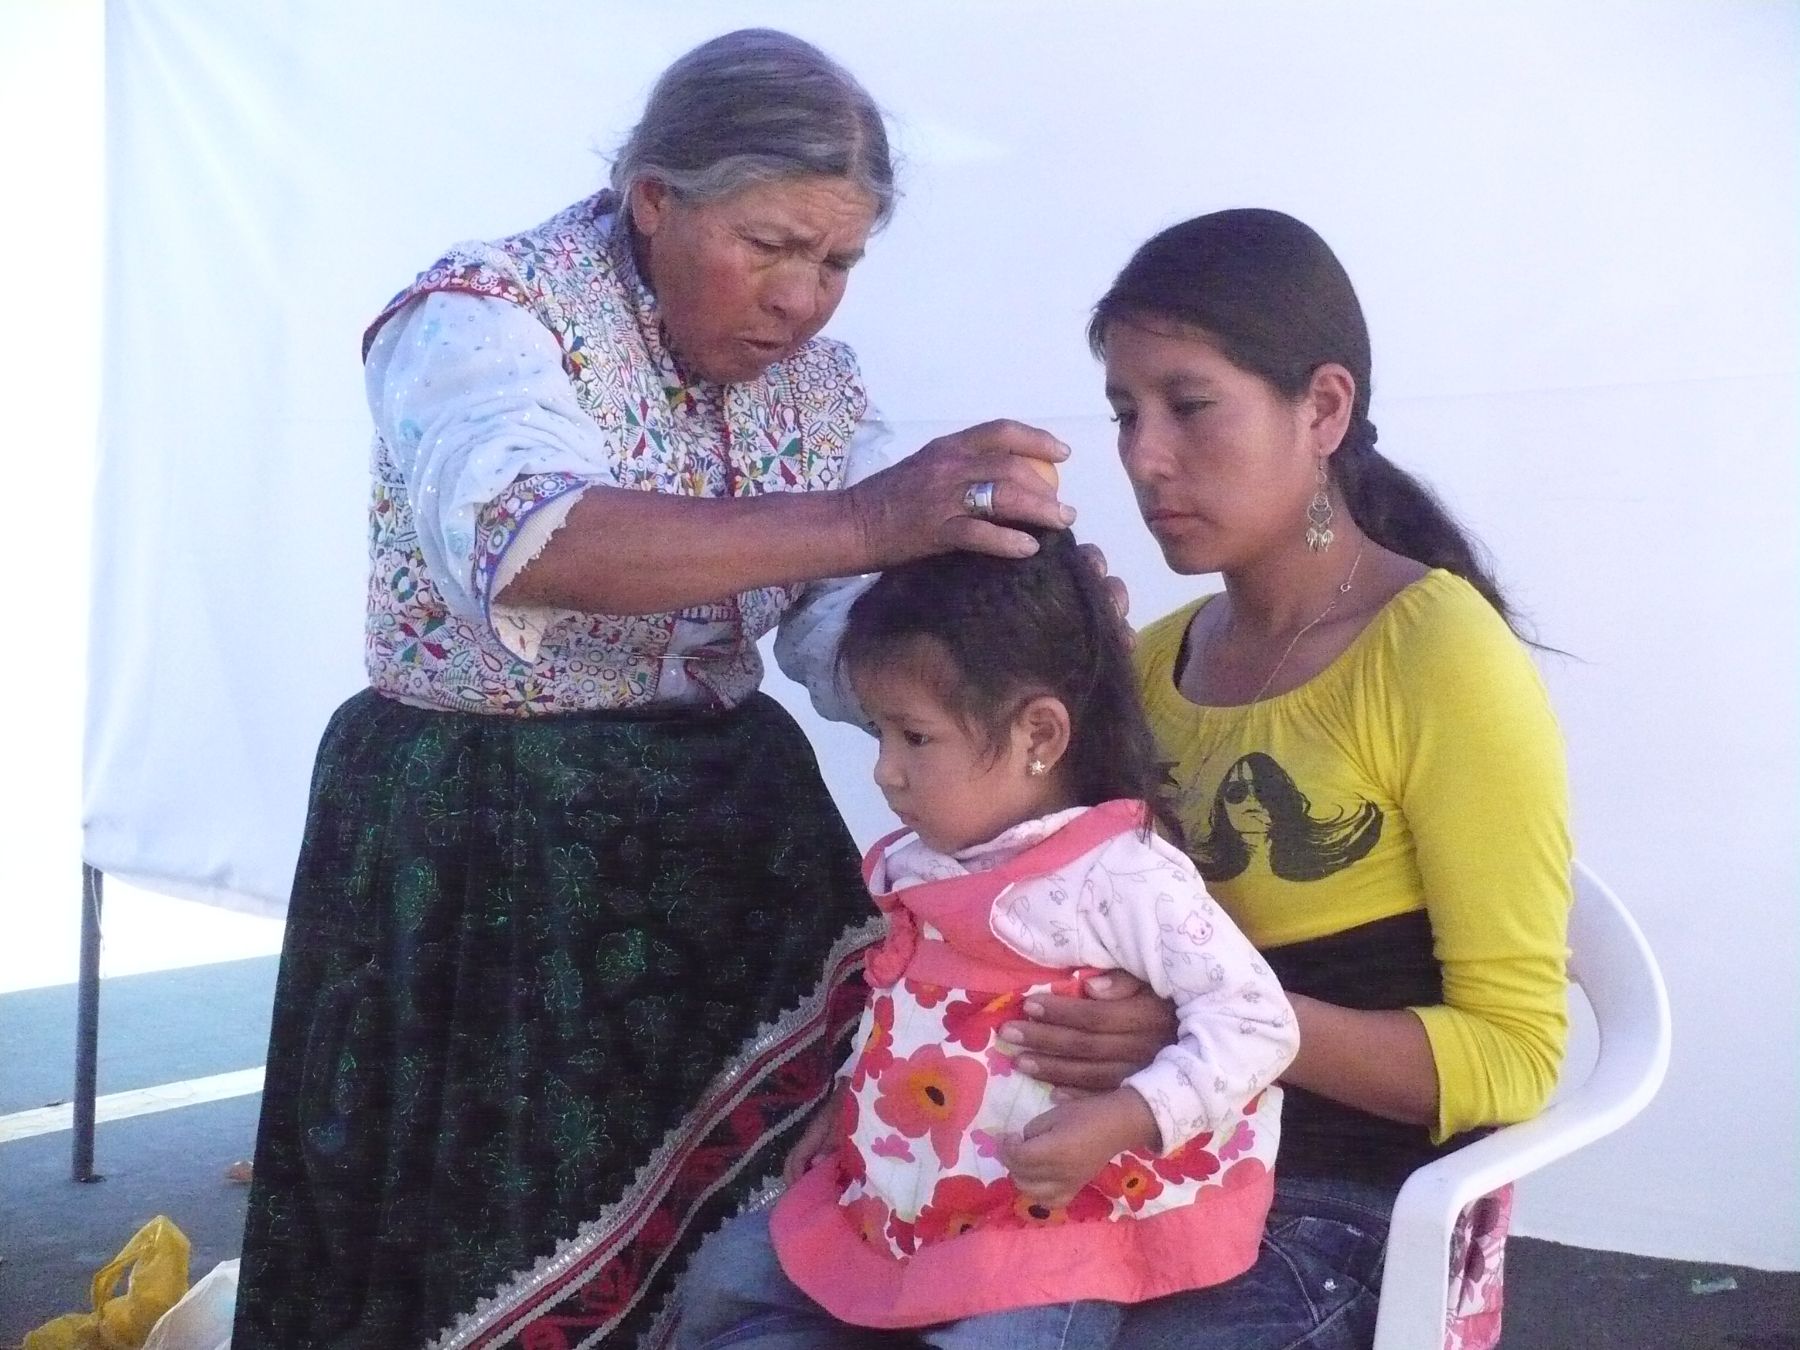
x=556 y=994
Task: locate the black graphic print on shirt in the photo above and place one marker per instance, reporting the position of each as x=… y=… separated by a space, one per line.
x=1258 y=806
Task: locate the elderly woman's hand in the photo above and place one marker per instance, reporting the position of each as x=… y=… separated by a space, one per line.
x=1092 y=1043
x=921 y=505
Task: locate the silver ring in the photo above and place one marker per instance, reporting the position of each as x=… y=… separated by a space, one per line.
x=979 y=500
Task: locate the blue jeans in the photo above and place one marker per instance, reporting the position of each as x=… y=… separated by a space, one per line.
x=1315 y=1284
x=736 y=1294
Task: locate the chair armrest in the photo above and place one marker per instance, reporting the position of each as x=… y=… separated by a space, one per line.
x=1616 y=971
x=1415 y=1280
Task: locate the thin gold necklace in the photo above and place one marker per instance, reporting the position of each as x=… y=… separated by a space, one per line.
x=1324 y=614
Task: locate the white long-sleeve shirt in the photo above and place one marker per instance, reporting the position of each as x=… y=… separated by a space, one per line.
x=470 y=394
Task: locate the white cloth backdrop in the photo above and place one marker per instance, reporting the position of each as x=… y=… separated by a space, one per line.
x=1573 y=227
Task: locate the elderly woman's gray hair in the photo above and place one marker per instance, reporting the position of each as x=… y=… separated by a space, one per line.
x=757 y=106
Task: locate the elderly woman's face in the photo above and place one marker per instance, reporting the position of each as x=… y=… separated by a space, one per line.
x=746 y=280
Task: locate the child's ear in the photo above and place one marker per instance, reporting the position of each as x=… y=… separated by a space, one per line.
x=1042 y=732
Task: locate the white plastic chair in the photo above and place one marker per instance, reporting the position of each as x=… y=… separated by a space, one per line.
x=1612 y=965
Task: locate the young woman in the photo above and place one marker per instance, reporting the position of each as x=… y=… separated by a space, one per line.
x=1368 y=770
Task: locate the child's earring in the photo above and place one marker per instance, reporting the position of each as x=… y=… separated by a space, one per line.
x=1037 y=768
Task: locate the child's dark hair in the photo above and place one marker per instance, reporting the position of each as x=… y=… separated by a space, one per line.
x=1014 y=630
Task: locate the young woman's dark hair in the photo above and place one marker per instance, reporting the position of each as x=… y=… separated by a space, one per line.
x=990 y=634
x=1269 y=292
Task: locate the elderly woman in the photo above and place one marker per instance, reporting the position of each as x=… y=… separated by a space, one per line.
x=568 y=937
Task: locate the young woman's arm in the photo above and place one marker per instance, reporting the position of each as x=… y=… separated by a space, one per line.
x=1478 y=772
x=1379 y=1062
x=1479 y=775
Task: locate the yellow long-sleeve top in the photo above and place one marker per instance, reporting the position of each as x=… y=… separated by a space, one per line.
x=1393 y=833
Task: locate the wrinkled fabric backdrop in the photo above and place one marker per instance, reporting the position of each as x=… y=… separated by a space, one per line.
x=1572 y=227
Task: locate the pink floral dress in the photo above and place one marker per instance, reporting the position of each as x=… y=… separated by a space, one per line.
x=916 y=1220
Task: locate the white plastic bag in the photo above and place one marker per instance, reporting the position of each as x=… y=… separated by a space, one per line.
x=202 y=1320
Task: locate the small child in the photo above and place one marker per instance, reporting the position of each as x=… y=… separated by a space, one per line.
x=955 y=1196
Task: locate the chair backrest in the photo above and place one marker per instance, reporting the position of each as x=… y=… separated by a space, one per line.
x=1612 y=963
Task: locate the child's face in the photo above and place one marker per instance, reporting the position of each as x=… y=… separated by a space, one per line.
x=940 y=776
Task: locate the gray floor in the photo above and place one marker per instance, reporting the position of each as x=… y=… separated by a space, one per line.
x=212 y=1019
x=153 y=1029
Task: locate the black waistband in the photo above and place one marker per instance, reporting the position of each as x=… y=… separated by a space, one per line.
x=1385 y=964
x=674 y=713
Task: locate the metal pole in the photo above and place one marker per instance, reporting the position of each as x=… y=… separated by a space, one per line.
x=87 y=1024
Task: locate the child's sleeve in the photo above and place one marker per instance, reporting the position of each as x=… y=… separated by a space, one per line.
x=1141 y=907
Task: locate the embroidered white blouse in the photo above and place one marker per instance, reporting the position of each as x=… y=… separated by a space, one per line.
x=470 y=394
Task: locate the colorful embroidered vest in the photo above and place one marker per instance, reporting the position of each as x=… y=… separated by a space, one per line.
x=787 y=431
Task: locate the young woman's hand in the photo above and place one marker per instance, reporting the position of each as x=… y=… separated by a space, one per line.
x=818 y=1140
x=1059 y=1152
x=1092 y=1043
x=1121 y=597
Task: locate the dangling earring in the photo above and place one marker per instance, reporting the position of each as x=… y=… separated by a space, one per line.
x=1037 y=768
x=1319 y=512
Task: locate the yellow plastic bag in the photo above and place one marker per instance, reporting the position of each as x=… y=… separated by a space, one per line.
x=155 y=1266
